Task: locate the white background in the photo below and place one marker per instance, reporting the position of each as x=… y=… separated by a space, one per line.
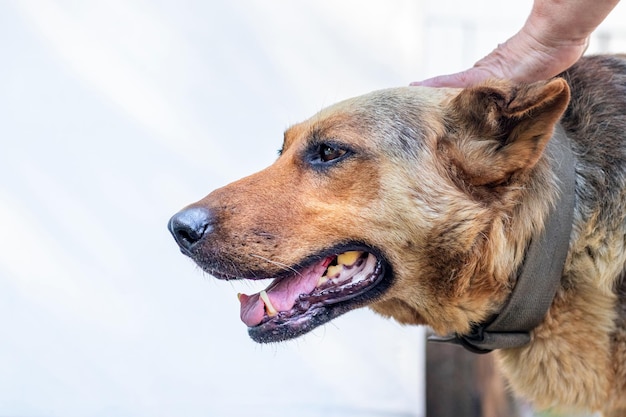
x=115 y=114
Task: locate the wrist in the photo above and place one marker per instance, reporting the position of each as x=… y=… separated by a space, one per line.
x=550 y=31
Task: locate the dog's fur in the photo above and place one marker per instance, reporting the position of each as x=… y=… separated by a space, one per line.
x=450 y=186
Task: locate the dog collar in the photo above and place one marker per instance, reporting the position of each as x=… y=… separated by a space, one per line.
x=540 y=274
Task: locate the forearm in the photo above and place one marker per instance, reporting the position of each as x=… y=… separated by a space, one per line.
x=567 y=21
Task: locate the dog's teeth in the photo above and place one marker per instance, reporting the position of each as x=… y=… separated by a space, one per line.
x=271 y=311
x=323 y=280
x=333 y=271
x=348 y=258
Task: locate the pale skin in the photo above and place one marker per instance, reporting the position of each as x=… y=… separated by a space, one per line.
x=553 y=38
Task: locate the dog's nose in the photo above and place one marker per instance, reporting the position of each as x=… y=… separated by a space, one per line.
x=190 y=225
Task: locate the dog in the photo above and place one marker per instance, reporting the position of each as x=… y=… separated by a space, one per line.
x=424 y=204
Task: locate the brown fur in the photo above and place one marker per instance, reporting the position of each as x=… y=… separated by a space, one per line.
x=451 y=185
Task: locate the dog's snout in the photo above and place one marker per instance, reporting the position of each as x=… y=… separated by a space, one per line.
x=190 y=225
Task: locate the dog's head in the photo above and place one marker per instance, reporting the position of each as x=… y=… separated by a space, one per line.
x=415 y=201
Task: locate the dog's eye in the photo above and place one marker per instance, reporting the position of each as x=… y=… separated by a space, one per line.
x=325 y=154
x=329 y=153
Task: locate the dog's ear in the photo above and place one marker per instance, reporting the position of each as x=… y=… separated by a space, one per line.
x=499 y=129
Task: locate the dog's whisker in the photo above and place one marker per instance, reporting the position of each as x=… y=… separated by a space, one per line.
x=279 y=264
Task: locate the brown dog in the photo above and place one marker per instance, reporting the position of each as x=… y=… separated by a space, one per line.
x=423 y=204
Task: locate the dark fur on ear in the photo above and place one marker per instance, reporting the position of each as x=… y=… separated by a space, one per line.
x=499 y=128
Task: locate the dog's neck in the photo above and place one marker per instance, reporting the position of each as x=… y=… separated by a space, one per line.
x=539 y=275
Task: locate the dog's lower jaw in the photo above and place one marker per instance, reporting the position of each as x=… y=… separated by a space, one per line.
x=457 y=318
x=403 y=313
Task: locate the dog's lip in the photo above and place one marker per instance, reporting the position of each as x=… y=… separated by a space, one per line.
x=294 y=305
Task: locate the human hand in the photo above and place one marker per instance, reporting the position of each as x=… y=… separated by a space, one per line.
x=523 y=58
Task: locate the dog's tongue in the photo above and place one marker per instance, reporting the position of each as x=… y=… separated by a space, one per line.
x=282 y=293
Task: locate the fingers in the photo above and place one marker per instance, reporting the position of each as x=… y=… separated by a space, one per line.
x=451 y=80
x=467 y=78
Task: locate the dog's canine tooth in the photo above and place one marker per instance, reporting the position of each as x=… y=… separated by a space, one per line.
x=271 y=311
x=348 y=258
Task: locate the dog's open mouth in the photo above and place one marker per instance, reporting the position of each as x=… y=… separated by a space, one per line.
x=293 y=305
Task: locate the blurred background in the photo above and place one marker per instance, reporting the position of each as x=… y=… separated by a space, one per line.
x=114 y=115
